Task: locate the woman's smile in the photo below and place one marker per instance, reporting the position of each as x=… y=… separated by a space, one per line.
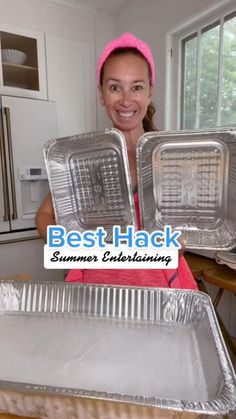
x=126 y=115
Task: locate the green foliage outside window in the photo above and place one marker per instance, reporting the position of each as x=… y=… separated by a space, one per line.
x=209 y=78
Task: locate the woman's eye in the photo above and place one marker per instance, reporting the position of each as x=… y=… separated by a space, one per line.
x=138 y=87
x=114 y=87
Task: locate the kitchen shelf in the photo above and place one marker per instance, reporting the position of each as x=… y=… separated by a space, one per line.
x=17 y=67
x=21 y=76
x=28 y=79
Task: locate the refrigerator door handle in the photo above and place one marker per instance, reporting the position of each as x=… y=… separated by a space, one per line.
x=4 y=176
x=11 y=163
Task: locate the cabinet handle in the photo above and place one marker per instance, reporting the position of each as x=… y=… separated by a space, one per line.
x=6 y=208
x=11 y=163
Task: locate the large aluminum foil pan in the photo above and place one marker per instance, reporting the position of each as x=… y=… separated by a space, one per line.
x=90 y=181
x=84 y=351
x=188 y=180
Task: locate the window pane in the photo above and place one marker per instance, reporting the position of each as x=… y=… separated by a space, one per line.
x=189 y=83
x=228 y=104
x=209 y=77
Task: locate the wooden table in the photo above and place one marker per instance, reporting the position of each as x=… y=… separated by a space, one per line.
x=222 y=276
x=198 y=264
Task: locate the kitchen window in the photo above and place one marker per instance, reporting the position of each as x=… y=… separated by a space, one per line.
x=204 y=73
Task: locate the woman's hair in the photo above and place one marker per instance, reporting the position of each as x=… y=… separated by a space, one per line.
x=148 y=123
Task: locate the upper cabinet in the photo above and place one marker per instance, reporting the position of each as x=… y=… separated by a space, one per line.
x=71 y=84
x=22 y=62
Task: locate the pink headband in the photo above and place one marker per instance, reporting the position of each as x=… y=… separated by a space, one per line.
x=127 y=40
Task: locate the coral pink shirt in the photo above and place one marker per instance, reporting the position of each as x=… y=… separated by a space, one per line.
x=167 y=278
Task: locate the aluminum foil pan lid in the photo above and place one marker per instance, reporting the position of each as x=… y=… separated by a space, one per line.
x=90 y=181
x=186 y=179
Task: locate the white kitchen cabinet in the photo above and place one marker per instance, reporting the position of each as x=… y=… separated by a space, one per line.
x=71 y=84
x=27 y=79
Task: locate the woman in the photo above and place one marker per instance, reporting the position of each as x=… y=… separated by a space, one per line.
x=126 y=76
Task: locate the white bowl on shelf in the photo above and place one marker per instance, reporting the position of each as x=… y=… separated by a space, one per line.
x=13 y=56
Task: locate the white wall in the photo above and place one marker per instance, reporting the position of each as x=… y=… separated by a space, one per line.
x=151 y=20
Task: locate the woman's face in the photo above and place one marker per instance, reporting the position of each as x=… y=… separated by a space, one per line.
x=126 y=91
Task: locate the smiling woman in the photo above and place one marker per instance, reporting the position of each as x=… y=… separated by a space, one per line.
x=126 y=77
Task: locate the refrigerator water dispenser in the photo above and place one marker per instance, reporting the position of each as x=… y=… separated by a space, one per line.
x=34 y=187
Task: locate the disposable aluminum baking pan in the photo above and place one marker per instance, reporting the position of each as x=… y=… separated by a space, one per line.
x=86 y=351
x=188 y=180
x=90 y=181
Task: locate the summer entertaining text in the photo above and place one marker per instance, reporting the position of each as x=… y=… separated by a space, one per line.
x=128 y=250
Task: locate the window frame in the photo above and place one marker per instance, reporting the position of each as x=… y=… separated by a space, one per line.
x=174 y=38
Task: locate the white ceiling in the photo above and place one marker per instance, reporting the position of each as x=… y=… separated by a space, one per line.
x=88 y=6
x=111 y=6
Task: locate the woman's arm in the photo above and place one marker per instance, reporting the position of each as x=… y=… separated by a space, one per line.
x=45 y=216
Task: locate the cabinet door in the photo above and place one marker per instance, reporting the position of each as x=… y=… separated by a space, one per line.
x=71 y=84
x=26 y=77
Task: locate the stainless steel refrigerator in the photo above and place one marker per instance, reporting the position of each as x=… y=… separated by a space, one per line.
x=25 y=125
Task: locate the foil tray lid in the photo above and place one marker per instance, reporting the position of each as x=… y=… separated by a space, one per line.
x=90 y=181
x=186 y=180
